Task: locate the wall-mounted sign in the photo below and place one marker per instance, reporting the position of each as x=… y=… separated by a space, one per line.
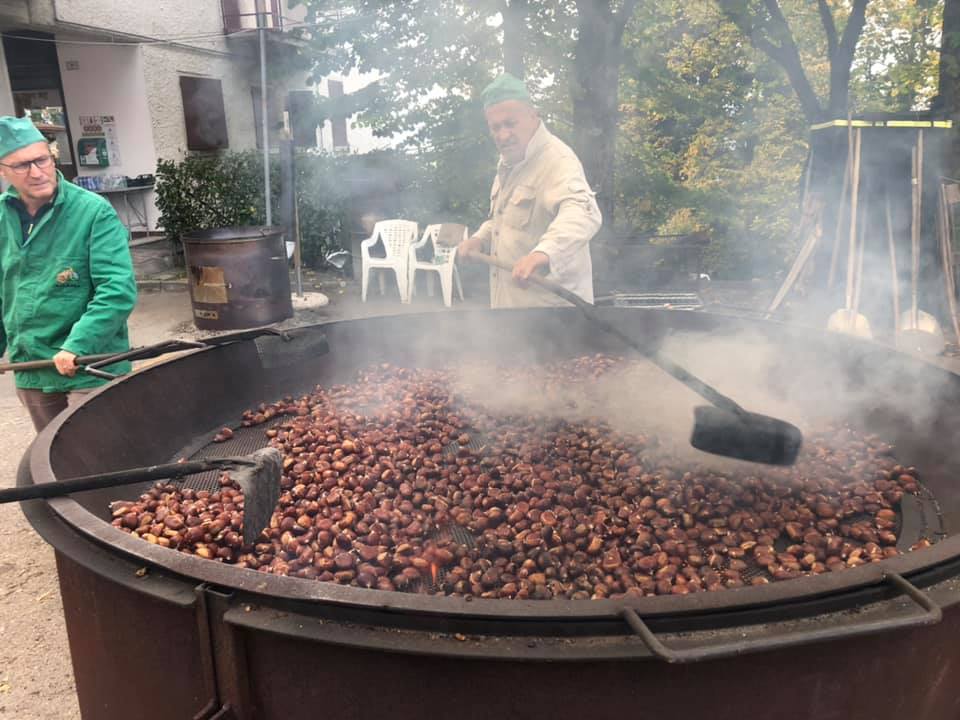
x=92 y=152
x=105 y=128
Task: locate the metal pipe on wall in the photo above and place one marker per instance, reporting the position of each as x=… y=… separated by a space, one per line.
x=264 y=124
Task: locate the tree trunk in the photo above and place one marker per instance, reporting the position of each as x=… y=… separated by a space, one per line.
x=514 y=36
x=948 y=102
x=595 y=95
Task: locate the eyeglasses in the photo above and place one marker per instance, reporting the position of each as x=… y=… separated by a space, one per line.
x=41 y=163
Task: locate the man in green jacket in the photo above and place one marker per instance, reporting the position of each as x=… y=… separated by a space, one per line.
x=66 y=277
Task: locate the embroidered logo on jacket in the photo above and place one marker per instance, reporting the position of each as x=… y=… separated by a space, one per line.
x=67 y=276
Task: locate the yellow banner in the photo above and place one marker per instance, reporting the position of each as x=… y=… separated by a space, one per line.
x=941 y=124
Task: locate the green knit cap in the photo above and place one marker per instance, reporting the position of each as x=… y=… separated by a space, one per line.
x=16 y=133
x=505 y=87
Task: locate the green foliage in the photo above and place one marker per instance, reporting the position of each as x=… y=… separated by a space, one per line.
x=204 y=192
x=209 y=191
x=711 y=139
x=898 y=56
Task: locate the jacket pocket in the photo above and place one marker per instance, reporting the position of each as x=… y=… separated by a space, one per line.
x=66 y=275
x=63 y=290
x=519 y=208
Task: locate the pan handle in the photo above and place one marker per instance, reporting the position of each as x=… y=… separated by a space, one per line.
x=91 y=364
x=931 y=615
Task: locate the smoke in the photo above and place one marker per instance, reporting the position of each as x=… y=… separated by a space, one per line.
x=788 y=373
x=628 y=396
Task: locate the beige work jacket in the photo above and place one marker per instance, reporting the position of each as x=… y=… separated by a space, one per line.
x=542 y=203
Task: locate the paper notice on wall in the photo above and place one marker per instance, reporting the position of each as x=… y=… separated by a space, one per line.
x=90 y=126
x=110 y=132
x=102 y=126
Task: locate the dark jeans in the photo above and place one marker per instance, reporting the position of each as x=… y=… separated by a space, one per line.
x=44 y=407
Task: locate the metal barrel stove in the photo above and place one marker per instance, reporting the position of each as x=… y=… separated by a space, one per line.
x=238 y=277
x=157 y=633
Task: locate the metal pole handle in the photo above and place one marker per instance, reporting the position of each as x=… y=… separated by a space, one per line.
x=894 y=279
x=118 y=478
x=915 y=231
x=668 y=366
x=854 y=196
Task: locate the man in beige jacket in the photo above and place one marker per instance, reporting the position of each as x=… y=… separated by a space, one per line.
x=542 y=212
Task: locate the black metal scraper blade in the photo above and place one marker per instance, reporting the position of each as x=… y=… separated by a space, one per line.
x=745 y=436
x=260 y=483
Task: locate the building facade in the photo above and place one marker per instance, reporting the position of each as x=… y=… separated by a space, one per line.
x=121 y=84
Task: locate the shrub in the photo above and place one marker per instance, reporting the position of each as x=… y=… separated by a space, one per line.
x=203 y=192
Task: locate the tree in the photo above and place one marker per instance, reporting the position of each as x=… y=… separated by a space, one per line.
x=680 y=121
x=768 y=30
x=766 y=26
x=896 y=65
x=514 y=14
x=712 y=139
x=948 y=100
x=436 y=56
x=595 y=92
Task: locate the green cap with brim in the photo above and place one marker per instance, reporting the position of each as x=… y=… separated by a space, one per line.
x=505 y=87
x=16 y=133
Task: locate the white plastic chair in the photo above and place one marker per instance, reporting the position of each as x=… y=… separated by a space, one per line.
x=397 y=237
x=443 y=263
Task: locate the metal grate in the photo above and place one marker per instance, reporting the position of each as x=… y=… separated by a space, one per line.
x=477 y=443
x=457 y=534
x=918 y=517
x=675 y=300
x=245 y=440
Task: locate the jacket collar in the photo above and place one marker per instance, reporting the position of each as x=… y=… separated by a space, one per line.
x=537 y=142
x=10 y=193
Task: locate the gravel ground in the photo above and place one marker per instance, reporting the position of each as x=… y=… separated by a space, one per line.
x=36 y=679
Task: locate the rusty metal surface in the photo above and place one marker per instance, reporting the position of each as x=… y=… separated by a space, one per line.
x=129 y=649
x=238 y=277
x=142 y=658
x=870 y=678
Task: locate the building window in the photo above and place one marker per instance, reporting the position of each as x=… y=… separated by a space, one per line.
x=338 y=124
x=203 y=113
x=301 y=104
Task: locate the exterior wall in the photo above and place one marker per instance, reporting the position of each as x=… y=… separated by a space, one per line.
x=163 y=67
x=140 y=85
x=109 y=81
x=17 y=11
x=27 y=12
x=147 y=18
x=6 y=94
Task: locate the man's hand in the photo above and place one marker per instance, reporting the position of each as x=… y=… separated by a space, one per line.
x=66 y=363
x=526 y=266
x=469 y=246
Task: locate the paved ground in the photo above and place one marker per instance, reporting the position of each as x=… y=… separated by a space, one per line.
x=36 y=679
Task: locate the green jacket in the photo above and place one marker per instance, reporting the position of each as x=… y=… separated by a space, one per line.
x=68 y=285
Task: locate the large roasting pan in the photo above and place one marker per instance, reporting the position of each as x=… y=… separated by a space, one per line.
x=155 y=414
x=154 y=633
